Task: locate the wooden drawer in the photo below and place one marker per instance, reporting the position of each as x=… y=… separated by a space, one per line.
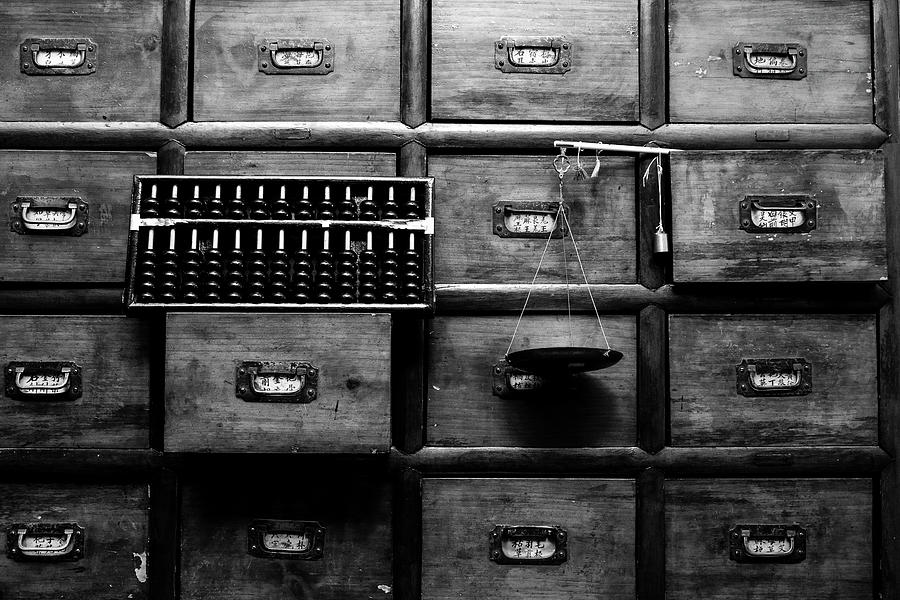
x=836 y=515
x=572 y=62
x=354 y=510
x=332 y=393
x=93 y=394
x=773 y=380
x=119 y=74
x=586 y=410
x=336 y=164
x=108 y=559
x=834 y=37
x=460 y=516
x=723 y=232
x=470 y=188
x=359 y=42
x=101 y=181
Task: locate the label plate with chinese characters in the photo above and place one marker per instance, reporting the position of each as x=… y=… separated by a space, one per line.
x=528 y=545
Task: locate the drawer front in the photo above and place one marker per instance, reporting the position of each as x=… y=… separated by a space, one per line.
x=778 y=216
x=233 y=49
x=108 y=559
x=816 y=69
x=773 y=380
x=47 y=245
x=354 y=511
x=534 y=61
x=74 y=382
x=835 y=516
x=339 y=403
x=471 y=188
x=335 y=164
x=465 y=367
x=113 y=76
x=458 y=550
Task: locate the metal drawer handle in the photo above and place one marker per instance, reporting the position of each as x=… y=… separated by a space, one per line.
x=295 y=540
x=759 y=377
x=527 y=220
x=45 y=541
x=769 y=61
x=509 y=382
x=295 y=56
x=60 y=215
x=58 y=56
x=767 y=543
x=779 y=213
x=30 y=380
x=528 y=545
x=533 y=54
x=277 y=381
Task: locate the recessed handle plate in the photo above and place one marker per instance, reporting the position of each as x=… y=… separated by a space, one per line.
x=785 y=213
x=295 y=540
x=295 y=56
x=533 y=54
x=527 y=220
x=43 y=381
x=45 y=542
x=528 y=545
x=55 y=215
x=510 y=382
x=276 y=381
x=58 y=56
x=767 y=543
x=761 y=377
x=769 y=61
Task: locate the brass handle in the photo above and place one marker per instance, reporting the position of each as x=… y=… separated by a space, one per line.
x=33 y=380
x=533 y=54
x=509 y=382
x=277 y=381
x=527 y=220
x=295 y=540
x=778 y=213
x=761 y=377
x=57 y=215
x=769 y=61
x=58 y=56
x=767 y=543
x=528 y=545
x=295 y=56
x=45 y=541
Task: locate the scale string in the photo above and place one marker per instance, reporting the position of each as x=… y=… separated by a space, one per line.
x=566 y=268
x=583 y=274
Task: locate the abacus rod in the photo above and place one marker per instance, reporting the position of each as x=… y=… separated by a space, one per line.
x=613 y=147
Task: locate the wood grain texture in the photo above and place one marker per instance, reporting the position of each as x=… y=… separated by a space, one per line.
x=176 y=41
x=654 y=268
x=652 y=364
x=415 y=33
x=126 y=83
x=458 y=516
x=113 y=411
x=836 y=512
x=291 y=163
x=115 y=524
x=706 y=409
x=602 y=84
x=848 y=243
x=653 y=63
x=593 y=409
x=165 y=503
x=887 y=71
x=837 y=37
x=407 y=535
x=365 y=83
x=350 y=414
x=601 y=213
x=170 y=158
x=103 y=180
x=651 y=527
x=354 y=508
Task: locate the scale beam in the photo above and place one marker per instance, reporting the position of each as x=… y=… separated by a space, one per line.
x=613 y=147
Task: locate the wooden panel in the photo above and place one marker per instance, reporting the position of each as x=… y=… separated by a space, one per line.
x=706 y=409
x=601 y=213
x=365 y=83
x=114 y=518
x=103 y=181
x=837 y=37
x=355 y=510
x=459 y=515
x=592 y=409
x=836 y=512
x=113 y=411
x=602 y=84
x=126 y=83
x=848 y=243
x=350 y=414
x=335 y=164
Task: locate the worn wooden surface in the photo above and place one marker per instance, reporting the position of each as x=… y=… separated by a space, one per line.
x=602 y=84
x=350 y=414
x=354 y=508
x=601 y=213
x=359 y=164
x=365 y=83
x=174 y=94
x=103 y=180
x=652 y=365
x=653 y=63
x=458 y=516
x=706 y=409
x=126 y=83
x=415 y=32
x=651 y=528
x=591 y=409
x=115 y=522
x=848 y=243
x=837 y=37
x=836 y=512
x=113 y=411
x=407 y=529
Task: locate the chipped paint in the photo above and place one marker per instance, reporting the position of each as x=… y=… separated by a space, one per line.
x=701 y=72
x=385 y=588
x=713 y=58
x=140 y=569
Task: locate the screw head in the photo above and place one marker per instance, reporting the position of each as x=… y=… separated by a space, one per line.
x=500 y=63
x=495 y=554
x=25 y=65
x=499 y=227
x=242 y=390
x=500 y=46
x=812 y=222
x=262 y=48
x=311 y=393
x=242 y=370
x=498 y=210
x=327 y=65
x=743 y=205
x=24 y=48
x=565 y=63
x=498 y=370
x=265 y=65
x=90 y=48
x=745 y=222
x=740 y=68
x=802 y=71
x=743 y=386
x=498 y=388
x=90 y=65
x=801 y=53
x=737 y=51
x=565 y=46
x=328 y=47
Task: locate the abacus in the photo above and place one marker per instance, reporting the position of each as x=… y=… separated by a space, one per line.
x=350 y=243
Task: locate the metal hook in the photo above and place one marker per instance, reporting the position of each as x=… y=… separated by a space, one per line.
x=561 y=163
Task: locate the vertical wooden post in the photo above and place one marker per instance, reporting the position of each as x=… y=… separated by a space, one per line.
x=653 y=269
x=652 y=368
x=653 y=54
x=175 y=57
x=651 y=536
x=886 y=70
x=164 y=542
x=408 y=535
x=414 y=52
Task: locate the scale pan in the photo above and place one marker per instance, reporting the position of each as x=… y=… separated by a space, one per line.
x=563 y=360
